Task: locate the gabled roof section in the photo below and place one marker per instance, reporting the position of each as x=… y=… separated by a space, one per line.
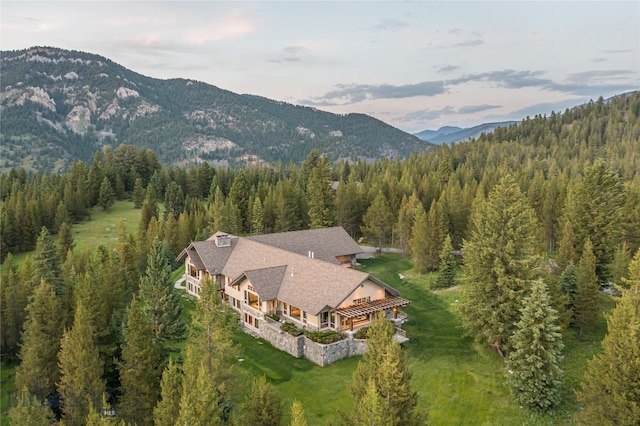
x=267 y=281
x=206 y=255
x=309 y=284
x=325 y=243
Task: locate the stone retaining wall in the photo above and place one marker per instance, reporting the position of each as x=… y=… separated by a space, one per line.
x=324 y=355
x=303 y=347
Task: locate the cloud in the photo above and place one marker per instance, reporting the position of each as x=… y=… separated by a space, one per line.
x=472 y=109
x=468 y=43
x=428 y=114
x=390 y=25
x=448 y=68
x=290 y=54
x=546 y=108
x=615 y=51
x=585 y=83
x=360 y=92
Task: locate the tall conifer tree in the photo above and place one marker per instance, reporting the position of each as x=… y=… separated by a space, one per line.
x=534 y=365
x=159 y=299
x=139 y=369
x=384 y=365
x=38 y=370
x=611 y=391
x=167 y=410
x=81 y=370
x=264 y=406
x=585 y=301
x=500 y=264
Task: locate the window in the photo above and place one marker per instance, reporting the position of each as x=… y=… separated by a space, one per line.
x=304 y=317
x=324 y=319
x=294 y=312
x=192 y=271
x=362 y=300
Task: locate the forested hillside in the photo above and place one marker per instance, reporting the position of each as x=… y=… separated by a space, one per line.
x=59 y=105
x=541 y=212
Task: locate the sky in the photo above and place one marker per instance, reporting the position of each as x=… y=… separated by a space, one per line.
x=415 y=65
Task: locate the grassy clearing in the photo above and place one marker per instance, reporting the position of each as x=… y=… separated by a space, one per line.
x=103 y=226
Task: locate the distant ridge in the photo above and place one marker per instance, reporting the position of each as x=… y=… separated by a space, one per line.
x=452 y=134
x=61 y=105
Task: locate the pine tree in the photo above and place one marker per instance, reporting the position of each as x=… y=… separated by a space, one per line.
x=139 y=369
x=202 y=400
x=371 y=410
x=107 y=197
x=81 y=370
x=297 y=414
x=149 y=208
x=14 y=297
x=138 y=194
x=208 y=360
x=586 y=298
x=406 y=219
x=349 y=208
x=619 y=267
x=239 y=196
x=611 y=391
x=383 y=363
x=29 y=410
x=567 y=247
x=65 y=240
x=447 y=276
x=173 y=200
x=257 y=217
x=168 y=408
x=38 y=370
x=378 y=221
x=264 y=407
x=47 y=261
x=418 y=240
x=535 y=374
x=596 y=211
x=436 y=232
x=320 y=196
x=159 y=299
x=500 y=264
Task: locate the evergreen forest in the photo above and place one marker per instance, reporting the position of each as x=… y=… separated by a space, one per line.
x=535 y=227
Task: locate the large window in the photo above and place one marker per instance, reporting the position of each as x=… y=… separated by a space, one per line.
x=251 y=299
x=294 y=312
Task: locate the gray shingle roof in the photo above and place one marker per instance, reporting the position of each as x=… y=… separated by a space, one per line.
x=279 y=267
x=325 y=243
x=309 y=284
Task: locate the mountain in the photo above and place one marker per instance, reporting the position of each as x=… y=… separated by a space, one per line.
x=59 y=105
x=451 y=134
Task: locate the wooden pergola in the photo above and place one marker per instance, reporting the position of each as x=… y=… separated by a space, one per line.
x=371 y=307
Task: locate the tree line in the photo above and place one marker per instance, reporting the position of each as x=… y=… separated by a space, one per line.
x=542 y=212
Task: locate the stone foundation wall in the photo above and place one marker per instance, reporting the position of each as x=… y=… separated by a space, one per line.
x=292 y=345
x=324 y=355
x=302 y=347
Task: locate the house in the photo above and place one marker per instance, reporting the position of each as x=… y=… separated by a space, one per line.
x=304 y=277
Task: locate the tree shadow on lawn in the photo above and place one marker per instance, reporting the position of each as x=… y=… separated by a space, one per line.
x=258 y=357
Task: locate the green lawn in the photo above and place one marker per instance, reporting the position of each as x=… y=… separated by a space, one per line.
x=103 y=226
x=458 y=382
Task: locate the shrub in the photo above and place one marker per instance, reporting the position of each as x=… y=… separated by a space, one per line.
x=291 y=328
x=274 y=317
x=362 y=333
x=324 y=337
